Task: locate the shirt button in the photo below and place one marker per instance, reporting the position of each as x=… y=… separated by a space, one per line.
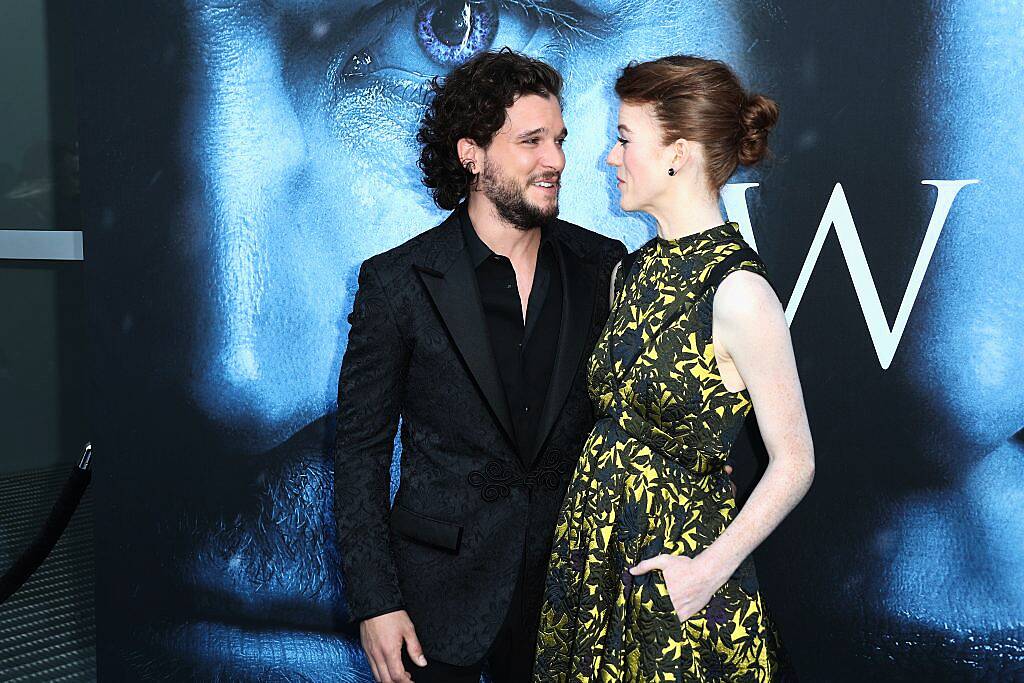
x=526 y=409
x=508 y=286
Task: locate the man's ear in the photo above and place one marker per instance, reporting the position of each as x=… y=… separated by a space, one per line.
x=469 y=155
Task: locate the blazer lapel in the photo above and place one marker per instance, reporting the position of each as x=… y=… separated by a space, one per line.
x=451 y=283
x=578 y=285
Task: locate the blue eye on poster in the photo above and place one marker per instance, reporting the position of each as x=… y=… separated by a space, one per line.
x=240 y=159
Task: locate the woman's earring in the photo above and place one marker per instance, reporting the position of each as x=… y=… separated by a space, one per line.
x=671 y=171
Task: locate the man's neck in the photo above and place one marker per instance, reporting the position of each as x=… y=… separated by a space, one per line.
x=499 y=235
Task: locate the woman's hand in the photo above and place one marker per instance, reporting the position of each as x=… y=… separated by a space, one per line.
x=690 y=581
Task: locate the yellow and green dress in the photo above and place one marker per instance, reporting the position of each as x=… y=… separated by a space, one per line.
x=650 y=480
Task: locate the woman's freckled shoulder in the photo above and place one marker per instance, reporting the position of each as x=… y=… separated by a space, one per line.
x=744 y=295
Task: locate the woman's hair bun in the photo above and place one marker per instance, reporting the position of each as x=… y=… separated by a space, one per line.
x=757 y=117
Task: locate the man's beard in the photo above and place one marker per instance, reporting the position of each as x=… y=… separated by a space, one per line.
x=509 y=198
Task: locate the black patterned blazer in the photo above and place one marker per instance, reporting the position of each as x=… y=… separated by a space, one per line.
x=469 y=513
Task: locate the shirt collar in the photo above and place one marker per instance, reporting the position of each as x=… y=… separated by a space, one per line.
x=478 y=251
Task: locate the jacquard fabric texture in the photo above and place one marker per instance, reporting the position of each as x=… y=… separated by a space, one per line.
x=651 y=481
x=469 y=514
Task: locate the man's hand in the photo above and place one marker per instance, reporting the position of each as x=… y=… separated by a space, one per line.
x=382 y=638
x=728 y=473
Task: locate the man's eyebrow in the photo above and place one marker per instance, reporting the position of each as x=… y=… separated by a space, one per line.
x=531 y=133
x=539 y=131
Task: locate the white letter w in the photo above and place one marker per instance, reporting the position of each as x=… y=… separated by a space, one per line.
x=838 y=214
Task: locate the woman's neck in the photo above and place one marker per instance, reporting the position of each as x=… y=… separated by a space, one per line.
x=687 y=214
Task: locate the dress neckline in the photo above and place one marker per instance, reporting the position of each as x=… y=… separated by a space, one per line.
x=698 y=241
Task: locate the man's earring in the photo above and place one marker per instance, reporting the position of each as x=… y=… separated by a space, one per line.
x=469 y=166
x=671 y=171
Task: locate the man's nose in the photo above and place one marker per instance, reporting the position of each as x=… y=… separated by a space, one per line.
x=554 y=158
x=248 y=148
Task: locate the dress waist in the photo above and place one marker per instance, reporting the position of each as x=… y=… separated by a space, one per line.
x=695 y=461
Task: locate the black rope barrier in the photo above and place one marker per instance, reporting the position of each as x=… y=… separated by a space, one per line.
x=51 y=530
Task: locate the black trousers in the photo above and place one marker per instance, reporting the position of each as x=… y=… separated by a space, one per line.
x=510 y=659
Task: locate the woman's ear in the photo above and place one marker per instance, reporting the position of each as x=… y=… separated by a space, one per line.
x=683 y=153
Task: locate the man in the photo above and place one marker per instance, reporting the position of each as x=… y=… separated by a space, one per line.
x=474 y=333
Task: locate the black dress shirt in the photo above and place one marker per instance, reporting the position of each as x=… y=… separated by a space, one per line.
x=524 y=354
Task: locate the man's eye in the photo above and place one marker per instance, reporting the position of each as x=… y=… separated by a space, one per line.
x=401 y=44
x=452 y=31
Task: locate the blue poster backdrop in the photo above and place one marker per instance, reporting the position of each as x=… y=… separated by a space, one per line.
x=240 y=158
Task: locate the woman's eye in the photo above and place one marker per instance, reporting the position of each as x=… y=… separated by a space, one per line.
x=401 y=44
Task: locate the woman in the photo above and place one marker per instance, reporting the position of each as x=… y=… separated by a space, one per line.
x=651 y=577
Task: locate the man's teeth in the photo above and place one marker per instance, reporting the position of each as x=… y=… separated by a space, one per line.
x=544 y=184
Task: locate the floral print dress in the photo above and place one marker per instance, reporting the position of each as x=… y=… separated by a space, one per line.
x=650 y=481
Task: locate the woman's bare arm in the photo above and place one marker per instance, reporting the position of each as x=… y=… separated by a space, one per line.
x=750 y=332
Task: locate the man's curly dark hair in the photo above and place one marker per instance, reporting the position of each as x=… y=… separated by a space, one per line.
x=470 y=103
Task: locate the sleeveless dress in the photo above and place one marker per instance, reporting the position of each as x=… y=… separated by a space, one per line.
x=650 y=481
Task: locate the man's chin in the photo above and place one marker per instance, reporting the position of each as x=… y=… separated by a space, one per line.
x=546 y=212
x=537 y=219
